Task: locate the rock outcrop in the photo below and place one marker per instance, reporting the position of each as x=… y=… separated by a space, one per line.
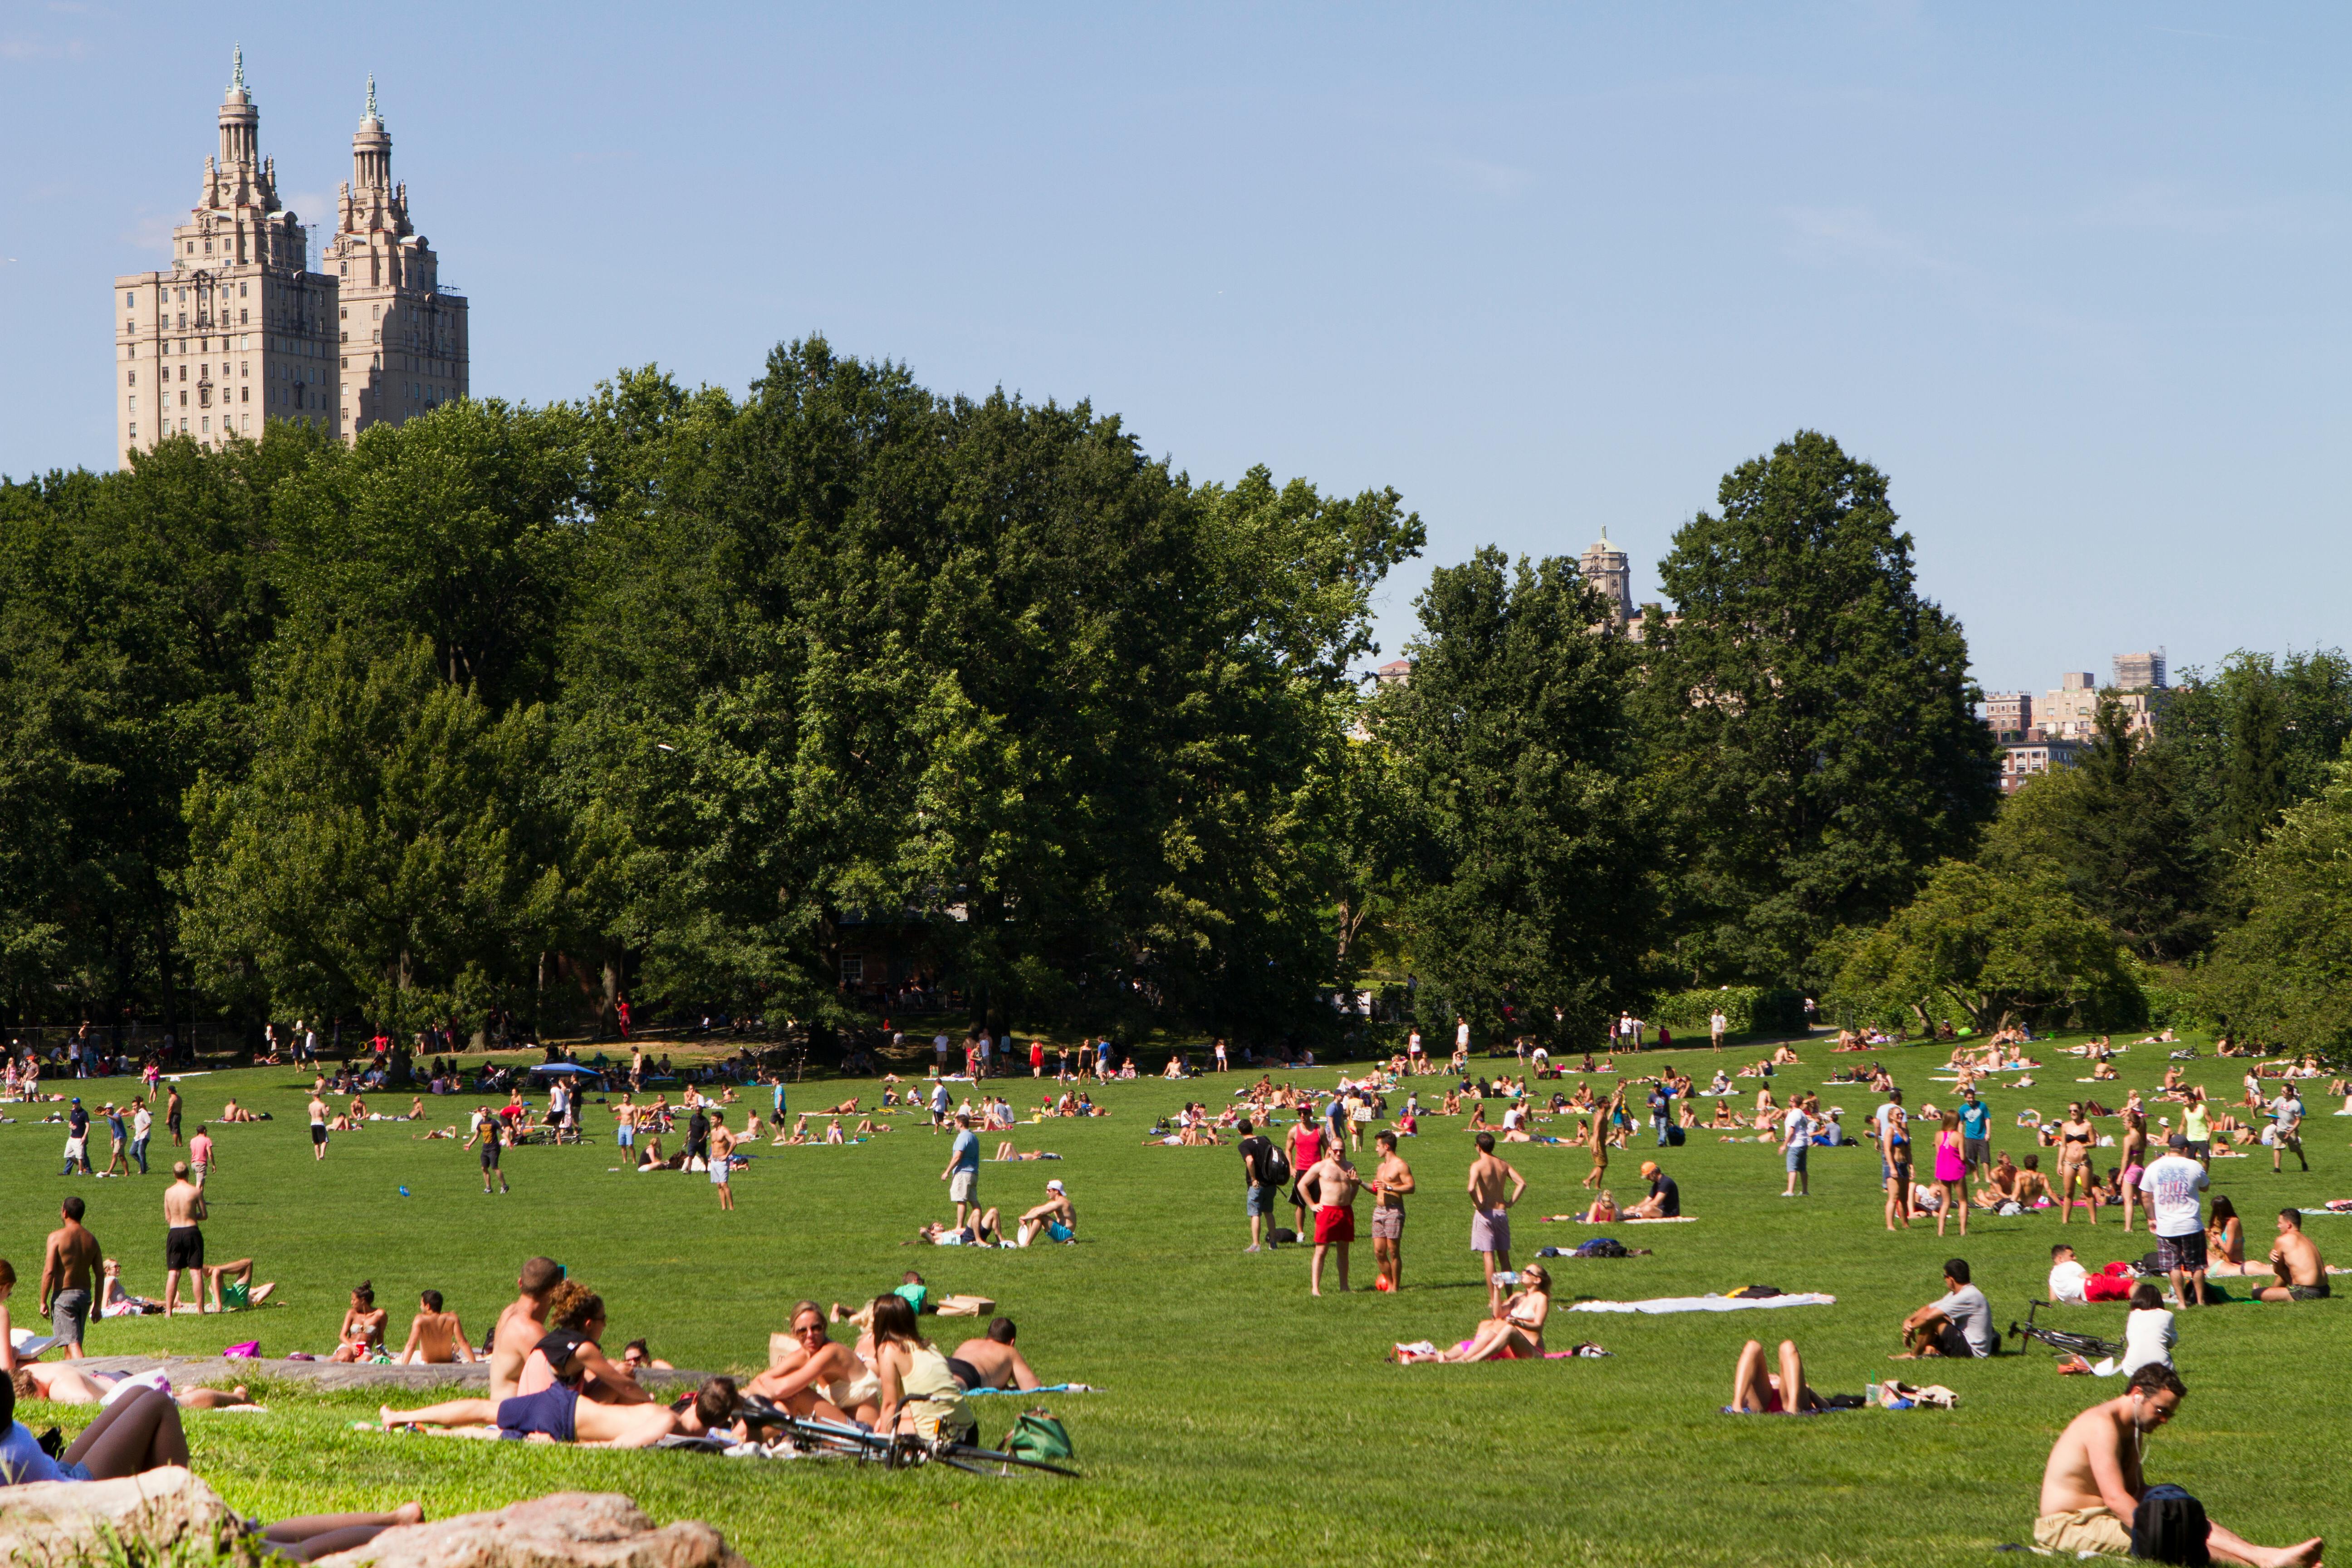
x=63 y=1521
x=567 y=1530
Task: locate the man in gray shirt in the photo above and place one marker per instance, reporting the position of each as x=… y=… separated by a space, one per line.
x=1958 y=1323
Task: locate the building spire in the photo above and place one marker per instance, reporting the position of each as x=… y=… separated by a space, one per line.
x=236 y=72
x=371 y=117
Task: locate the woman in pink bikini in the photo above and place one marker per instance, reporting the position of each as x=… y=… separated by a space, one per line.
x=1951 y=1172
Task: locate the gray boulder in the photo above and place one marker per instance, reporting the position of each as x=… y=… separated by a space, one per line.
x=59 y=1521
x=567 y=1530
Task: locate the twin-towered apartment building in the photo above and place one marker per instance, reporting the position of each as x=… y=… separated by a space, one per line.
x=241 y=329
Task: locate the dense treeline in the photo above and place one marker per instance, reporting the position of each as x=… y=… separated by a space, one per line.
x=691 y=696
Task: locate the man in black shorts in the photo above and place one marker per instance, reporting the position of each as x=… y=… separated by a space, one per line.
x=491 y=1141
x=183 y=1242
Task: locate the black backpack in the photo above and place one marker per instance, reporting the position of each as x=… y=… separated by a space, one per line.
x=1274 y=1169
x=2169 y=1526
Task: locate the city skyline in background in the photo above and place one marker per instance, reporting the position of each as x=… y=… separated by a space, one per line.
x=2067 y=279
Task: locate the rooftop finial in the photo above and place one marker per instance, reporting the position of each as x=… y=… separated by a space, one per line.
x=371 y=108
x=237 y=74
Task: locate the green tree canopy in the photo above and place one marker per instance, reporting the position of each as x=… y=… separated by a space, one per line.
x=1515 y=738
x=1812 y=721
x=2284 y=976
x=1996 y=948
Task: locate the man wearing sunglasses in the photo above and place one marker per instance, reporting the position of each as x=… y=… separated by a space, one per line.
x=2093 y=1486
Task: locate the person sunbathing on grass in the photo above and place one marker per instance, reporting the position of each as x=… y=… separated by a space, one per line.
x=62 y=1382
x=1053 y=1218
x=818 y=1378
x=1603 y=1212
x=2092 y=1485
x=981 y=1230
x=231 y=1285
x=920 y=1394
x=362 y=1330
x=993 y=1361
x=1755 y=1392
x=235 y=1112
x=1515 y=1333
x=436 y=1338
x=113 y=1301
x=567 y=1392
x=1786 y=1056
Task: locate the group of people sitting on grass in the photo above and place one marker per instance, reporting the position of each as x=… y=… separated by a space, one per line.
x=551 y=1380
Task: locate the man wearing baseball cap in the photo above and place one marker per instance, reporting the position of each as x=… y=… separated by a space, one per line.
x=1055 y=1218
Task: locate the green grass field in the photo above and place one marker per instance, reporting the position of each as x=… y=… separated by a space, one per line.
x=1244 y=1421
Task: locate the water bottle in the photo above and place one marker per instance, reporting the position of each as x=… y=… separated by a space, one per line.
x=1507 y=1277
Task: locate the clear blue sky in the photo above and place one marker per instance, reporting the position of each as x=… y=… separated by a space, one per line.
x=2074 y=275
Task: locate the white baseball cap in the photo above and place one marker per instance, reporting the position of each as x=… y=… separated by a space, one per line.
x=1054 y=1185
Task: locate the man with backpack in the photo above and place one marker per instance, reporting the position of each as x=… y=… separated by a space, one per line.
x=1264 y=1170
x=2094 y=1499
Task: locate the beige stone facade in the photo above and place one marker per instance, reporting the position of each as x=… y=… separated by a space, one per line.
x=402 y=342
x=239 y=329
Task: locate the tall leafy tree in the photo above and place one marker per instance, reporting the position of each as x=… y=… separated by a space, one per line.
x=1996 y=948
x=2284 y=976
x=1515 y=737
x=2117 y=830
x=1811 y=717
x=391 y=854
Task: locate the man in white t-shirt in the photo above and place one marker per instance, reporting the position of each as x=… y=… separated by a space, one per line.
x=1717 y=1026
x=1796 y=1140
x=1461 y=1037
x=1958 y=1323
x=2066 y=1276
x=2286 y=1126
x=2176 y=1217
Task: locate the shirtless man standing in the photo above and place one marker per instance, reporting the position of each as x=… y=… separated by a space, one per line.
x=184 y=1244
x=2092 y=1483
x=2302 y=1272
x=1332 y=1182
x=1490 y=1213
x=68 y=1269
x=317 y=1128
x=172 y=1115
x=1391 y=1180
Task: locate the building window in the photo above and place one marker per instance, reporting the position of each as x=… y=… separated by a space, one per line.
x=129 y=301
x=206 y=425
x=134 y=403
x=134 y=379
x=245 y=394
x=240 y=291
x=135 y=432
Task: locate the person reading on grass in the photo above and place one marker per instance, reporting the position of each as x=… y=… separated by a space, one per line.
x=1514 y=1333
x=1958 y=1323
x=2093 y=1486
x=436 y=1338
x=2302 y=1272
x=1665 y=1199
x=1755 y=1392
x=815 y=1376
x=993 y=1362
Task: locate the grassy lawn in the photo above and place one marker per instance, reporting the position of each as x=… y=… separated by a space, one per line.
x=1244 y=1420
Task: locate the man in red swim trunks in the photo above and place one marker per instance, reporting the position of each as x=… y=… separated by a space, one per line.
x=1332 y=1184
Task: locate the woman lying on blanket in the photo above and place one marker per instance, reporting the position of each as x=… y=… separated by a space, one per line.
x=1755 y=1392
x=1514 y=1334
